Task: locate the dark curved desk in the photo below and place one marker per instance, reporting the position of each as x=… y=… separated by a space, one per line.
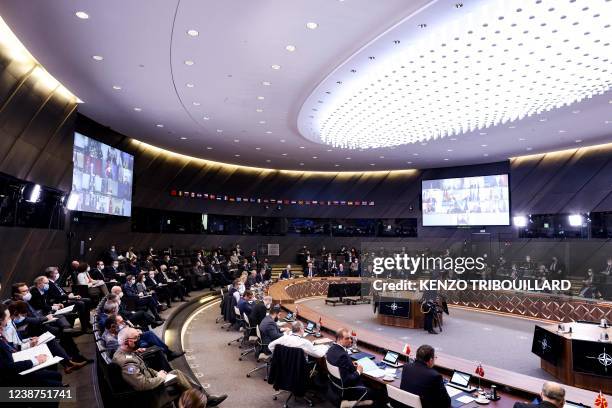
x=513 y=386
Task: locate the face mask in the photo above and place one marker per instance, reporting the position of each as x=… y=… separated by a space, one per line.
x=19 y=319
x=46 y=287
x=27 y=297
x=268 y=306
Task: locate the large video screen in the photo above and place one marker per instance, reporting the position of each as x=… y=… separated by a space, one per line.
x=548 y=346
x=477 y=201
x=101 y=177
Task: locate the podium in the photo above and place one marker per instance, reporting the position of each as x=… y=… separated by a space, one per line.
x=400 y=309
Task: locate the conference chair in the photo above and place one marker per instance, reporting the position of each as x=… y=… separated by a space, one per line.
x=401 y=398
x=240 y=323
x=335 y=380
x=220 y=317
x=289 y=373
x=261 y=356
x=247 y=338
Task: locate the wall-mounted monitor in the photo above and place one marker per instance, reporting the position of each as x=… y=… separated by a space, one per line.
x=470 y=201
x=592 y=357
x=101 y=178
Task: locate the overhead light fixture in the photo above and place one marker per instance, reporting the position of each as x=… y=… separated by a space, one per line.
x=268 y=132
x=193 y=33
x=219 y=130
x=262 y=122
x=519 y=221
x=82 y=15
x=301 y=164
x=290 y=48
x=237 y=155
x=97 y=57
x=575 y=220
x=208 y=148
x=137 y=109
x=258 y=148
x=183 y=138
x=34 y=194
x=189 y=85
x=483 y=145
x=562 y=131
x=196 y=103
x=284 y=154
x=315 y=157
x=258 y=110
x=261 y=98
x=578 y=140
x=116 y=87
x=266 y=83
x=499 y=66
x=276 y=66
x=268 y=160
x=282 y=140
x=189 y=62
x=159 y=125
x=206 y=118
x=312 y=25
x=302 y=147
x=72 y=201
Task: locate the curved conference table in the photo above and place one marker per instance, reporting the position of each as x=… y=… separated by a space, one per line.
x=513 y=386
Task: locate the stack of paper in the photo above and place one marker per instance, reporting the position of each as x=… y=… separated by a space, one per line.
x=45 y=338
x=370 y=368
x=29 y=354
x=64 y=310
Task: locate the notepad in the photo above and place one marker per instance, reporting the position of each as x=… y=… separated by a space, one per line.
x=322 y=341
x=452 y=391
x=45 y=338
x=370 y=367
x=466 y=399
x=64 y=310
x=169 y=378
x=32 y=352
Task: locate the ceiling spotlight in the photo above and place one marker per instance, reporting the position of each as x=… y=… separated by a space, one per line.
x=301 y=164
x=275 y=66
x=208 y=148
x=262 y=122
x=336 y=165
x=266 y=83
x=261 y=98
x=268 y=160
x=258 y=148
x=301 y=147
x=486 y=154
x=189 y=85
x=381 y=157
x=284 y=154
x=575 y=112
x=372 y=164
x=82 y=15
x=290 y=48
x=183 y=138
x=219 y=130
x=258 y=110
x=445 y=159
x=483 y=145
x=97 y=57
x=522 y=139
x=193 y=33
x=347 y=158
x=189 y=62
x=519 y=221
x=312 y=25
x=528 y=148
x=236 y=141
x=578 y=140
x=237 y=155
x=137 y=109
x=268 y=132
x=315 y=157
x=449 y=150
x=282 y=140
x=329 y=150
x=159 y=125
x=206 y=118
x=562 y=131
x=116 y=87
x=196 y=103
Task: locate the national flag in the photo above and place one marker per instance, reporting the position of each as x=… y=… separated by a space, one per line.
x=406 y=349
x=479 y=370
x=600 y=401
x=353 y=333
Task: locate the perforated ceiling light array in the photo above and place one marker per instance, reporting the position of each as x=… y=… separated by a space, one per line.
x=499 y=62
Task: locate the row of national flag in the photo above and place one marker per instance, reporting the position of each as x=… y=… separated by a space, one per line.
x=283 y=201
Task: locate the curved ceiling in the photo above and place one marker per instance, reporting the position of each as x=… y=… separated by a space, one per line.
x=217 y=94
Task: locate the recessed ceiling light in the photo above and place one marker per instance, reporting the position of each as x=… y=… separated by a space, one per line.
x=237 y=155
x=236 y=141
x=97 y=57
x=258 y=110
x=483 y=145
x=268 y=132
x=137 y=109
x=312 y=25
x=528 y=148
x=82 y=15
x=336 y=165
x=284 y=154
x=258 y=148
x=266 y=83
x=381 y=157
x=290 y=48
x=453 y=138
x=301 y=147
x=282 y=140
x=189 y=85
x=208 y=148
x=449 y=150
x=262 y=122
x=575 y=112
x=159 y=125
x=482 y=133
x=275 y=66
x=578 y=140
x=486 y=155
x=196 y=103
x=408 y=162
x=512 y=127
x=445 y=159
x=116 y=87
x=542 y=119
x=183 y=138
x=329 y=150
x=415 y=154
x=206 y=118
x=268 y=161
x=219 y=130
x=521 y=139
x=189 y=62
x=315 y=157
x=562 y=131
x=372 y=164
x=261 y=98
x=301 y=164
x=192 y=33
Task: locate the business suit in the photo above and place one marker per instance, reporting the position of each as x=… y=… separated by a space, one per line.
x=427 y=383
x=286 y=274
x=543 y=404
x=56 y=294
x=258 y=312
x=10 y=369
x=338 y=356
x=97 y=274
x=269 y=330
x=310 y=272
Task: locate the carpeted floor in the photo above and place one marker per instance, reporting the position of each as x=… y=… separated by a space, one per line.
x=216 y=363
x=495 y=340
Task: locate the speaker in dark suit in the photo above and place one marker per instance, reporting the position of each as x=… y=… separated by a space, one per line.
x=422 y=379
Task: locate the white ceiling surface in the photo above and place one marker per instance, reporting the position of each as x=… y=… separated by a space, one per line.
x=144 y=49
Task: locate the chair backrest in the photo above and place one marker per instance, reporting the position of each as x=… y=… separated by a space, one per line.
x=246 y=320
x=237 y=311
x=404 y=397
x=333 y=370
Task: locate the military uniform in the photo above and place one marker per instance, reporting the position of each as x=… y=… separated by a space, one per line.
x=142 y=378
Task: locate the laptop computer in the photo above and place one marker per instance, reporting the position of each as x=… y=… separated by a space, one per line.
x=392 y=359
x=289 y=317
x=310 y=328
x=461 y=381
